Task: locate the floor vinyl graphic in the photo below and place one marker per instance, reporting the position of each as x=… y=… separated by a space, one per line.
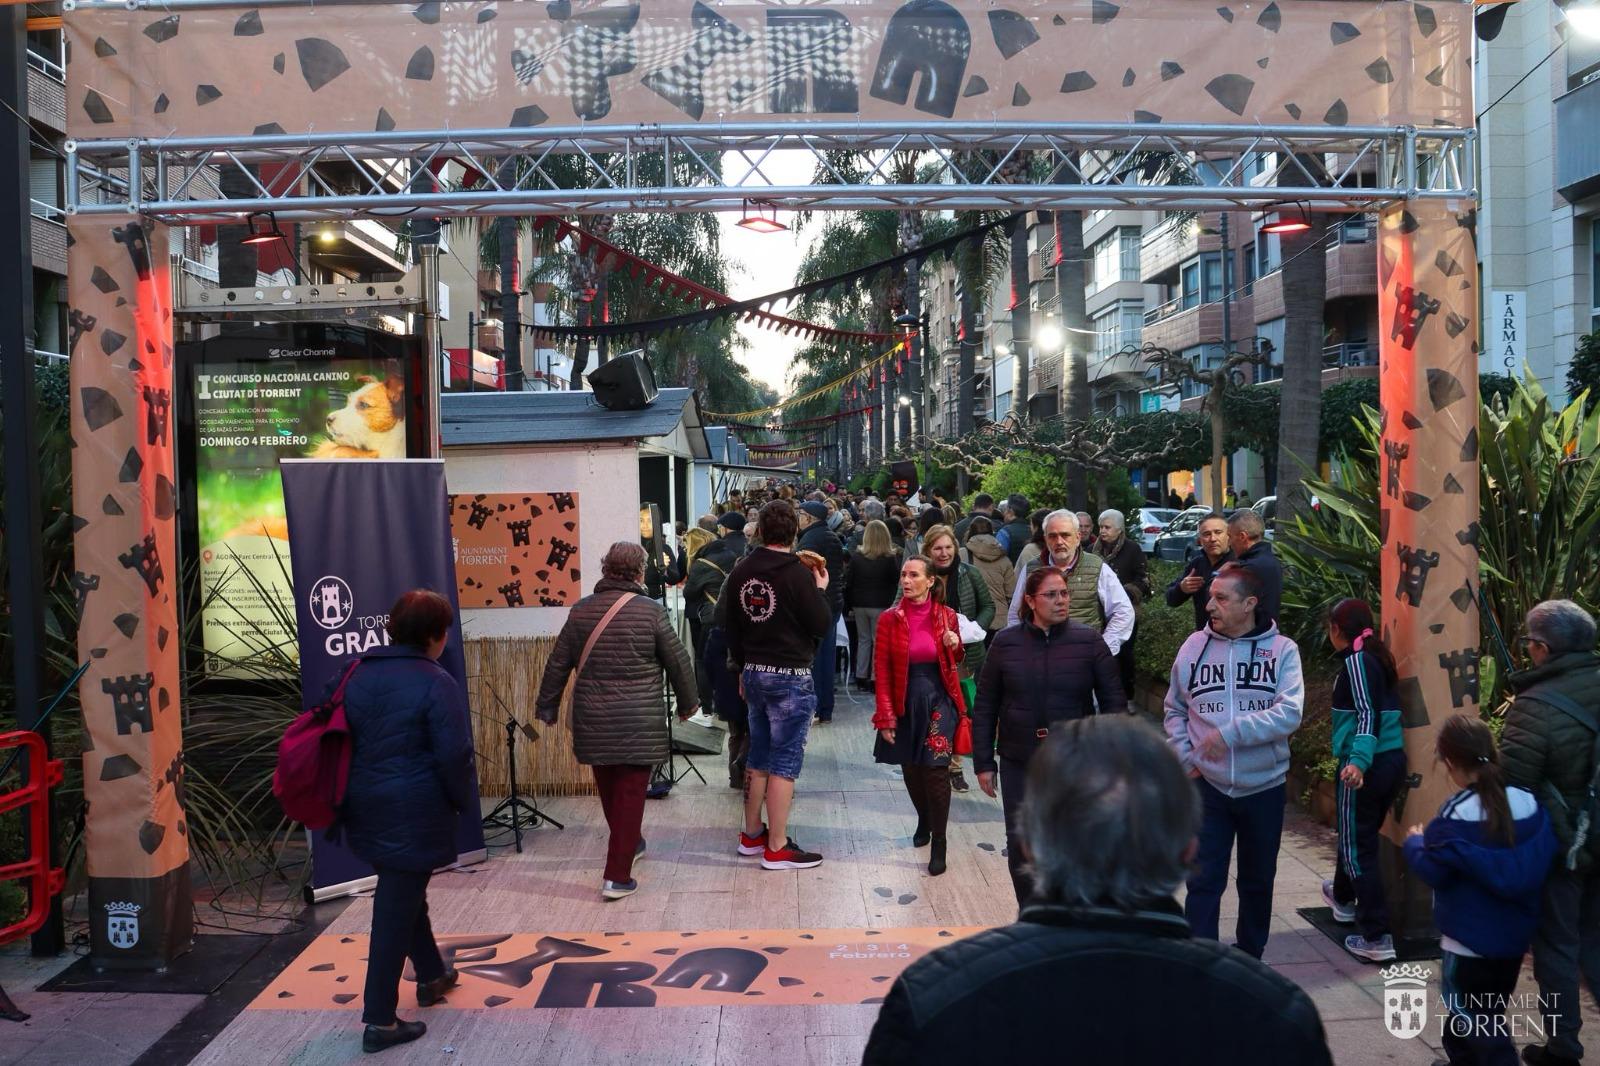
x=613 y=969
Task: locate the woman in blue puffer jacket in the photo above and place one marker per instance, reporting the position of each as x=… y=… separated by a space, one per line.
x=410 y=777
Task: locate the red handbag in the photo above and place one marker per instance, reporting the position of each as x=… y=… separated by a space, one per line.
x=963 y=744
x=963 y=738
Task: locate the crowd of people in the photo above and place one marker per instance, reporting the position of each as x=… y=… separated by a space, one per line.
x=1003 y=636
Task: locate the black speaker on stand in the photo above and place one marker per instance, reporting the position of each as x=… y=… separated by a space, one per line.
x=626 y=383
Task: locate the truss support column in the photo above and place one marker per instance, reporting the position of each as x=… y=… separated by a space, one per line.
x=1428 y=500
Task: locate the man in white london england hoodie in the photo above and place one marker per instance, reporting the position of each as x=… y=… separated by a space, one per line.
x=1235 y=698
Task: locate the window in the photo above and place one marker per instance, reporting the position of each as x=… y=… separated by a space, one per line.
x=1130 y=253
x=1269 y=253
x=1104 y=268
x=1191 y=286
x=1212 y=290
x=1594 y=275
x=1249 y=268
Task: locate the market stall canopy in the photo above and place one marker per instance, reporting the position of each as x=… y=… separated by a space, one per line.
x=479 y=419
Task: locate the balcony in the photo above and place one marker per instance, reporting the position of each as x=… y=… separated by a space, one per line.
x=491 y=337
x=47 y=91
x=357 y=248
x=1175 y=326
x=48 y=237
x=1354 y=353
x=1177 y=239
x=1577 y=147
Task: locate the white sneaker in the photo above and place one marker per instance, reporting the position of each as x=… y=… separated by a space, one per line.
x=1343 y=913
x=618 y=889
x=701 y=718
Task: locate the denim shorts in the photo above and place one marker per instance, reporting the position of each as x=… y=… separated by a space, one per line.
x=781 y=706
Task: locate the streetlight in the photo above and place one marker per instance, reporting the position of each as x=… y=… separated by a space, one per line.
x=904 y=401
x=1584 y=16
x=1002 y=350
x=1050 y=337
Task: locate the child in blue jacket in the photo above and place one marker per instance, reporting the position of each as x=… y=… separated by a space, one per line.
x=1368 y=744
x=1485 y=856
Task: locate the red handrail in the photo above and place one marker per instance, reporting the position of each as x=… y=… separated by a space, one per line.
x=44 y=881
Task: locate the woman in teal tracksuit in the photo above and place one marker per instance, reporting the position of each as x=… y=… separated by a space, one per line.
x=1368 y=744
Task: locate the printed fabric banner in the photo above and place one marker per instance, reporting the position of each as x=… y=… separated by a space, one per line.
x=124 y=504
x=362 y=535
x=516 y=549
x=282 y=69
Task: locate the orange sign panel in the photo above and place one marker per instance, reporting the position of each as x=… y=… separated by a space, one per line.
x=516 y=549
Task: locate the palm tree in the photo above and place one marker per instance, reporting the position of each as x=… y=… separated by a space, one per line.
x=1305 y=289
x=1070 y=300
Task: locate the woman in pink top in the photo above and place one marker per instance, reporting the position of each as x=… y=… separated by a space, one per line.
x=919 y=700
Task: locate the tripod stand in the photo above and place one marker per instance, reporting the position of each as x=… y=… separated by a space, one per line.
x=514 y=812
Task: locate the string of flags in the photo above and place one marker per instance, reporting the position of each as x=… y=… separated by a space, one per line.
x=755 y=412
x=757 y=308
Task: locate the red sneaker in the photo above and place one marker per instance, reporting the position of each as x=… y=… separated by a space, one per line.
x=790 y=857
x=753 y=845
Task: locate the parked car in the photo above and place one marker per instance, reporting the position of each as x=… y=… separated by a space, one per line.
x=1267 y=508
x=1175 y=541
x=1148 y=522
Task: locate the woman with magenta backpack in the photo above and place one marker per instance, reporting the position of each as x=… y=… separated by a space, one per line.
x=410 y=777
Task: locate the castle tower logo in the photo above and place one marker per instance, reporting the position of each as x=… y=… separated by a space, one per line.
x=122 y=924
x=1405 y=999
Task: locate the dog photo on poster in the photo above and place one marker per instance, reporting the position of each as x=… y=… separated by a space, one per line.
x=516 y=549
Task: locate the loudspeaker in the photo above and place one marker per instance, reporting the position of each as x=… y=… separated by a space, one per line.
x=691 y=739
x=626 y=383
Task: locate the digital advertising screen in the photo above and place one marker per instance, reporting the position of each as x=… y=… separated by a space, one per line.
x=307 y=391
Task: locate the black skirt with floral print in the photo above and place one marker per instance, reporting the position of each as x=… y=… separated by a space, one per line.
x=925 y=735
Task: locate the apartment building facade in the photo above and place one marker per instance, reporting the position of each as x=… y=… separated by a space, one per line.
x=1538 y=91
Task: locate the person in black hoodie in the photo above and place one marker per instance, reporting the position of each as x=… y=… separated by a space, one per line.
x=777 y=614
x=815 y=536
x=1195 y=581
x=1045 y=671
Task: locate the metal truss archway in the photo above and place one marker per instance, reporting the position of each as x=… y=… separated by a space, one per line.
x=700 y=168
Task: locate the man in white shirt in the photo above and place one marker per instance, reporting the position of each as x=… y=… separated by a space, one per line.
x=1108 y=611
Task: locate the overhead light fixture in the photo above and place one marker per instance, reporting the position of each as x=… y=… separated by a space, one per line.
x=264 y=236
x=327 y=235
x=905 y=401
x=1289 y=225
x=1584 y=16
x=1002 y=350
x=761 y=216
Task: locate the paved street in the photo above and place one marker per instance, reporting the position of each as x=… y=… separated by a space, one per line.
x=851 y=809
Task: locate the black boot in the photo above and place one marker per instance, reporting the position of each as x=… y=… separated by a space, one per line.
x=936 y=857
x=921 y=836
x=376 y=1039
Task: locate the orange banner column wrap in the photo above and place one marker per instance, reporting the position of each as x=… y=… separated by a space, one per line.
x=124 y=497
x=1428 y=478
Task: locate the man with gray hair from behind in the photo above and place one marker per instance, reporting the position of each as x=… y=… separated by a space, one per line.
x=872 y=510
x=1109 y=826
x=1549 y=747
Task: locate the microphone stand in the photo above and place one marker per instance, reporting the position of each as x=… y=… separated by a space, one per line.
x=514 y=812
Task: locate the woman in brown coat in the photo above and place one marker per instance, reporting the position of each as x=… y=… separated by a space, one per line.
x=619 y=720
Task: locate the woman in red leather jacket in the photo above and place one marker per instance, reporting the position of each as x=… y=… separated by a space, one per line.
x=919 y=700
